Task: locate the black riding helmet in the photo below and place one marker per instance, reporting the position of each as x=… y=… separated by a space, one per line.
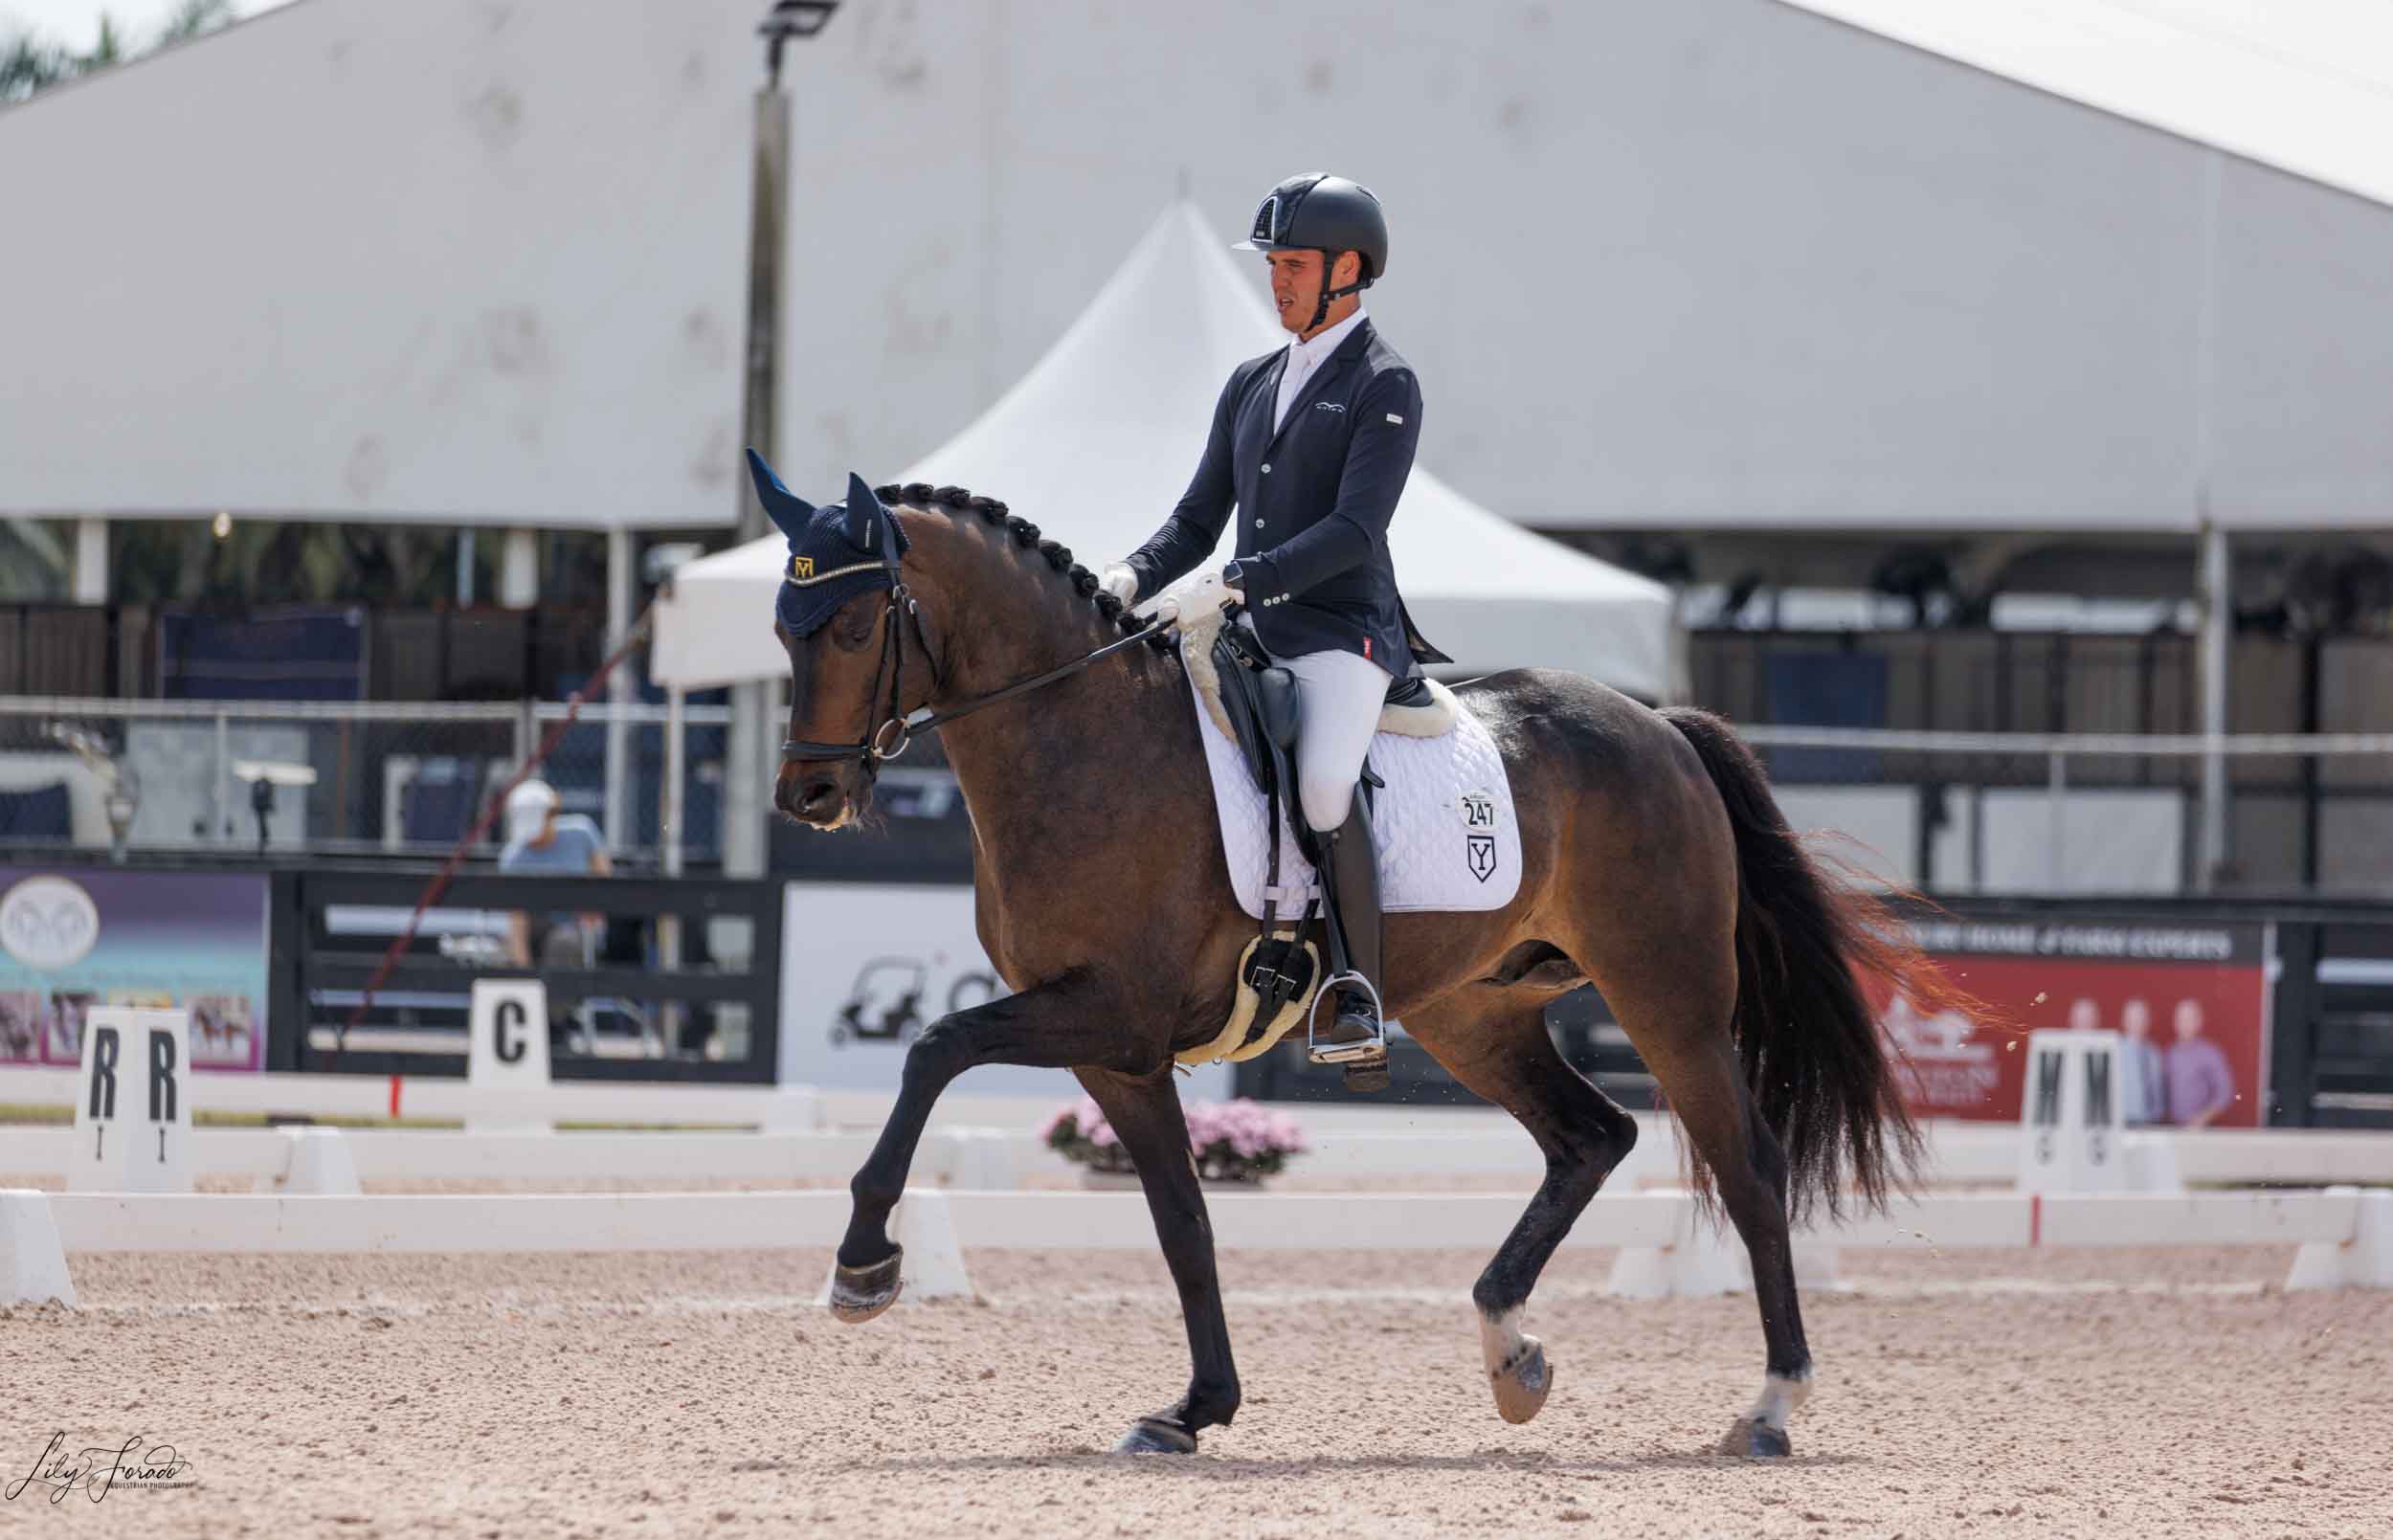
x=1324 y=213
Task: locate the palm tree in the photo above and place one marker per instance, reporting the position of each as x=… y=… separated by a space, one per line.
x=29 y=63
x=191 y=19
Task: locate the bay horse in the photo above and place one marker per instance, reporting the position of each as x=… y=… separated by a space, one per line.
x=1656 y=865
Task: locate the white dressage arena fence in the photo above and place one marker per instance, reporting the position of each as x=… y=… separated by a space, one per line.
x=304 y=1160
x=1667 y=1248
x=774 y=1107
x=985 y=1142
x=979 y=1156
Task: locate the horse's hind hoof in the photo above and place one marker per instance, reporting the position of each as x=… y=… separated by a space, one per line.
x=1367 y=1076
x=1750 y=1440
x=1521 y=1384
x=857 y=1294
x=1153 y=1436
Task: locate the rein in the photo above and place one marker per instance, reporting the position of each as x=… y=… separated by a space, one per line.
x=896 y=731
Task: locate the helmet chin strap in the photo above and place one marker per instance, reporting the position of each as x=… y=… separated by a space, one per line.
x=1321 y=306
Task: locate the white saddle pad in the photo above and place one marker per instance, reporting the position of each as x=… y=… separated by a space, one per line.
x=1447 y=836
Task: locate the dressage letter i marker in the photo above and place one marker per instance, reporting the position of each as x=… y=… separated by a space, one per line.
x=151 y=1153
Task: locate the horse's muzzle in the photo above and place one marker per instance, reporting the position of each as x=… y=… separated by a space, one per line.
x=819 y=794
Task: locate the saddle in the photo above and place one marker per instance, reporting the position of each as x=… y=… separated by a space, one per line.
x=1266 y=716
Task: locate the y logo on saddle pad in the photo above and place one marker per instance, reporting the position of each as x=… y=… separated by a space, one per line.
x=1479 y=844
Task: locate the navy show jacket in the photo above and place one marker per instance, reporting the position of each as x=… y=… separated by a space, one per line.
x=1313 y=499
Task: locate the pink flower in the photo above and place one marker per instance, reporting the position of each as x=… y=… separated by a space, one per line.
x=1235 y=1138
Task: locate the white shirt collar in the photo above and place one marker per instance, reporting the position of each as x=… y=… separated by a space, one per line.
x=1312 y=353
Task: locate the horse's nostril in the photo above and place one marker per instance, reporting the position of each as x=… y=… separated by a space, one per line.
x=819 y=796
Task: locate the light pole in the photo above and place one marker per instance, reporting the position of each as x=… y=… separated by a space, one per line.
x=751 y=768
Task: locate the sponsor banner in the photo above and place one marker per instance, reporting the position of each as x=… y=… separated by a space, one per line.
x=866 y=967
x=75 y=937
x=2190 y=999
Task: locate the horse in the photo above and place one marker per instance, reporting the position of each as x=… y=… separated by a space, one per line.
x=1656 y=865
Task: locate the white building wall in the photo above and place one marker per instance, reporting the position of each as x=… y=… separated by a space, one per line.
x=1718 y=262
x=386 y=259
x=1710 y=263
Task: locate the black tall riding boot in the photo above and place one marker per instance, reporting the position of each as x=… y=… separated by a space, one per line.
x=1351 y=886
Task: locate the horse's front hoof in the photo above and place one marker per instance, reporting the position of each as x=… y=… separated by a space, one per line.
x=1522 y=1382
x=857 y=1294
x=1153 y=1436
x=1750 y=1440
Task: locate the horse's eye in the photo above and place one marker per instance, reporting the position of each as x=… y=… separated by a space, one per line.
x=855 y=626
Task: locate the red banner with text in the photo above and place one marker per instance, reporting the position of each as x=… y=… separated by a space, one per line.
x=2190 y=1000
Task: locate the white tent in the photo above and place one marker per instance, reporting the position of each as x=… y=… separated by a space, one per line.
x=1096 y=444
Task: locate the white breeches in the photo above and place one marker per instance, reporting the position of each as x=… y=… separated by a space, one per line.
x=1342 y=694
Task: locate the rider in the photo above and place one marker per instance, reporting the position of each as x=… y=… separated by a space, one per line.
x=1313 y=442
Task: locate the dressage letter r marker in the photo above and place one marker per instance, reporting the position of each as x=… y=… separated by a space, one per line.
x=104 y=1072
x=161 y=1077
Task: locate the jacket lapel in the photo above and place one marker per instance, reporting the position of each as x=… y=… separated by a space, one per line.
x=1330 y=368
x=1254 y=417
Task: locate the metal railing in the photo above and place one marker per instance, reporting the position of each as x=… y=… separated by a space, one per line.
x=390 y=778
x=1957 y=811
x=2289 y=811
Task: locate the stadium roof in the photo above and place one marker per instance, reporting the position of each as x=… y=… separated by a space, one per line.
x=2303 y=85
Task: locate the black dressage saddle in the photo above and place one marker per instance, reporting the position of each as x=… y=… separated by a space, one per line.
x=1267 y=712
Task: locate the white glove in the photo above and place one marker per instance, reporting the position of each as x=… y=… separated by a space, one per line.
x=1119 y=581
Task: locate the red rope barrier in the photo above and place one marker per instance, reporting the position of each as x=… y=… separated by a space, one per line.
x=490 y=811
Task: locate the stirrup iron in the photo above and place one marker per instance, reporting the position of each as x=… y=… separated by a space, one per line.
x=1374 y=1046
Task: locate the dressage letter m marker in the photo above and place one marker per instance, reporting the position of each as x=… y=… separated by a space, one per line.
x=2047 y=1087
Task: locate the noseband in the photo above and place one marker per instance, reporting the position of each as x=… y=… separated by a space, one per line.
x=896 y=731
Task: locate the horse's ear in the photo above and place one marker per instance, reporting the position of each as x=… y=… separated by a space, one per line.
x=864 y=515
x=788 y=511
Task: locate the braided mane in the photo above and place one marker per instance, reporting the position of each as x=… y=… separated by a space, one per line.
x=956 y=501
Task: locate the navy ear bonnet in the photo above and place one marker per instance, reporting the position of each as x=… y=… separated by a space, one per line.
x=836 y=551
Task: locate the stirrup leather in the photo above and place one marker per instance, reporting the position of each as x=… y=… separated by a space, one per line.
x=1374 y=1046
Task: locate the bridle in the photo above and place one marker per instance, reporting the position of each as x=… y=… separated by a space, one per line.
x=897 y=730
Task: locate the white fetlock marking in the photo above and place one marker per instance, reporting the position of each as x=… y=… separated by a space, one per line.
x=1782 y=1396
x=1500 y=1339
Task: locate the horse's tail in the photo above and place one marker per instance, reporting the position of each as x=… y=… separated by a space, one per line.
x=1820 y=1073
